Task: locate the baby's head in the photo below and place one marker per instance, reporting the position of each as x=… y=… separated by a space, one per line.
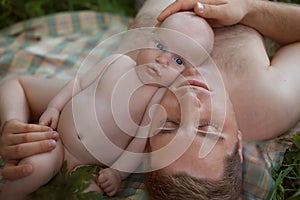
x=182 y=40
x=194 y=27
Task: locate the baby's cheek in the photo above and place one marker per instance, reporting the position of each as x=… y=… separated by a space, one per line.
x=178 y=69
x=145 y=56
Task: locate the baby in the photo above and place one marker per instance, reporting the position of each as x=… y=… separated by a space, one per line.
x=98 y=114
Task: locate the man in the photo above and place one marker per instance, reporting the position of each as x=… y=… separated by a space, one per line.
x=262 y=93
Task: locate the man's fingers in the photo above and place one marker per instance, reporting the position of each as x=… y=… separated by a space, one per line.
x=175 y=7
x=18 y=127
x=15 y=139
x=213 y=13
x=214 y=23
x=206 y=11
x=12 y=172
x=167 y=12
x=27 y=149
x=186 y=5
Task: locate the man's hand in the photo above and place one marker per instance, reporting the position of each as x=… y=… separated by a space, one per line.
x=217 y=12
x=20 y=140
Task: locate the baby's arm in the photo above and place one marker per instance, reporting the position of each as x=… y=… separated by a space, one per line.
x=51 y=114
x=110 y=178
x=73 y=87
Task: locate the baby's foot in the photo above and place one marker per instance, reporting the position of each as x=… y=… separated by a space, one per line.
x=94 y=187
x=109 y=180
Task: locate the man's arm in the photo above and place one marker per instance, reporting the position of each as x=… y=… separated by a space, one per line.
x=279 y=21
x=20 y=139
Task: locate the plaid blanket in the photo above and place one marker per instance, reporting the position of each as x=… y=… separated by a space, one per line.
x=56 y=45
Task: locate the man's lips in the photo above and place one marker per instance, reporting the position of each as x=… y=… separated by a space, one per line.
x=196 y=83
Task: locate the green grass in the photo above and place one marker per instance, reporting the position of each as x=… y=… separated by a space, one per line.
x=287 y=178
x=70 y=186
x=12 y=11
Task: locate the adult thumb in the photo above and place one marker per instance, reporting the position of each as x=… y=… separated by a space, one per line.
x=209 y=11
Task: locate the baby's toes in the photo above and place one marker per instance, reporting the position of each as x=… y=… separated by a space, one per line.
x=105 y=185
x=110 y=191
x=94 y=187
x=102 y=178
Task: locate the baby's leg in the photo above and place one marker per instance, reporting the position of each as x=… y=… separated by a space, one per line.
x=45 y=166
x=109 y=180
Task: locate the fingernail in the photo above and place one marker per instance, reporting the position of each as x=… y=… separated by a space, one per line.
x=200 y=6
x=51 y=144
x=26 y=170
x=54 y=134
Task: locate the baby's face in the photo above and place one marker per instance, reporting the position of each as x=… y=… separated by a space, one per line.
x=169 y=53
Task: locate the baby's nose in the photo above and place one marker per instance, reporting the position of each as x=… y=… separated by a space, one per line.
x=190 y=71
x=163 y=58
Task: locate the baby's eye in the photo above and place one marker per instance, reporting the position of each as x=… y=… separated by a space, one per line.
x=159 y=46
x=179 y=61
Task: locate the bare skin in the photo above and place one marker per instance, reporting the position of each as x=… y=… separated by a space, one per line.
x=83 y=142
x=264 y=94
x=249 y=64
x=251 y=80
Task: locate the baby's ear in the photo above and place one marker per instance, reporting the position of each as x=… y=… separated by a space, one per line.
x=240 y=144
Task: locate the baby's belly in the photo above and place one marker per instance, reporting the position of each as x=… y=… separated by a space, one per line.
x=82 y=136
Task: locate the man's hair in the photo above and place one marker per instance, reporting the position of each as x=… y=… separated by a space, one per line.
x=180 y=186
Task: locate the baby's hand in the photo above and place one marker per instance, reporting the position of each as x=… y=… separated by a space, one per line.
x=50 y=117
x=109 y=180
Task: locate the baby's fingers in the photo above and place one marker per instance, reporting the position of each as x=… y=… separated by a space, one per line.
x=54 y=122
x=44 y=120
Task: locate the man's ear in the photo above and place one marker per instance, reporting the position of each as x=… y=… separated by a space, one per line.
x=240 y=145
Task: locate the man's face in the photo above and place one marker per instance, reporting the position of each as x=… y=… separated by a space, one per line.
x=195 y=127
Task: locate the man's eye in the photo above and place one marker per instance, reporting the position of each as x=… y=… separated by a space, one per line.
x=179 y=61
x=166 y=130
x=159 y=46
x=168 y=127
x=208 y=127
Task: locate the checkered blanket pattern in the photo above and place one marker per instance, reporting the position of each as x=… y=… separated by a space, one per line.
x=56 y=45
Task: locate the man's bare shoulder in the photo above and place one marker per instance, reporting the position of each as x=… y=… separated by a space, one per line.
x=239 y=49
